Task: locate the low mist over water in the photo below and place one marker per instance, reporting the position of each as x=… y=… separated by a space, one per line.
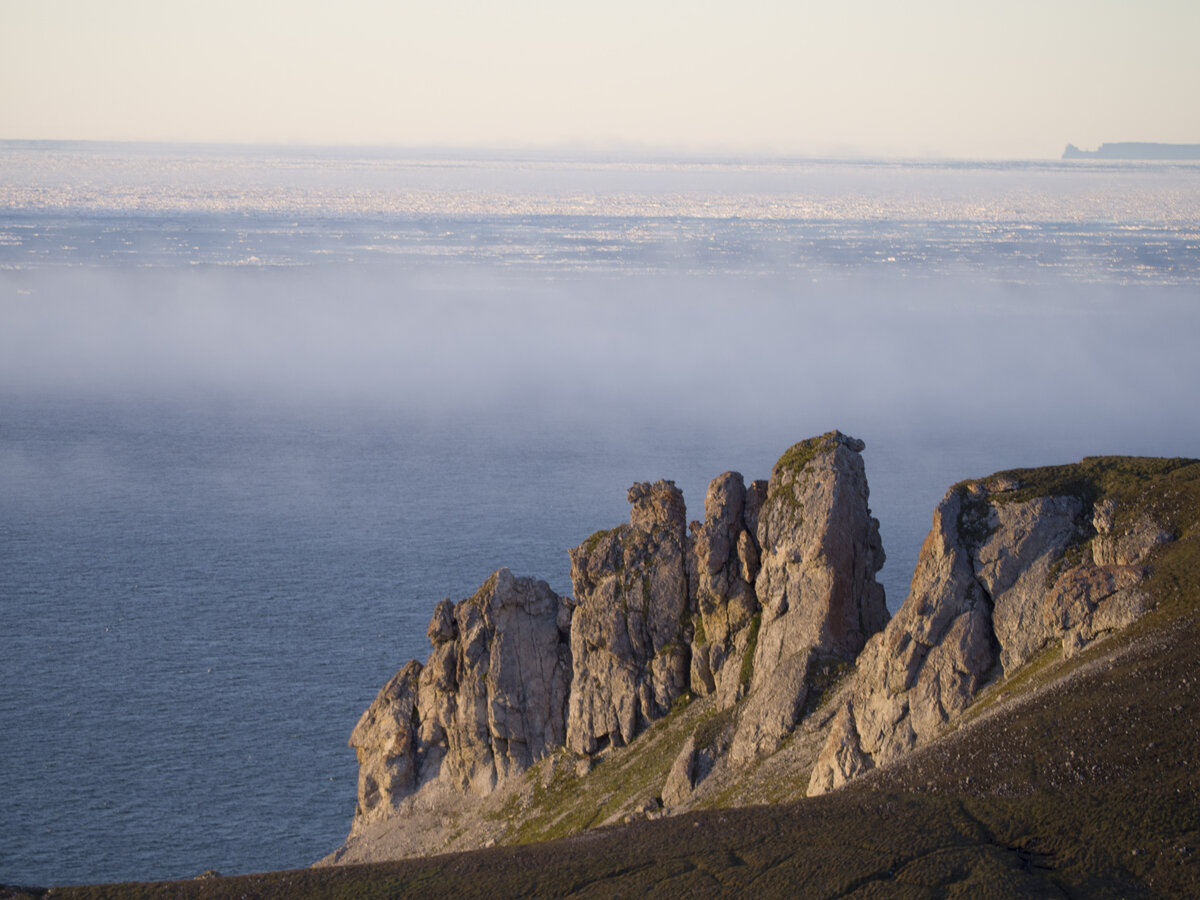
x=260 y=410
x=874 y=353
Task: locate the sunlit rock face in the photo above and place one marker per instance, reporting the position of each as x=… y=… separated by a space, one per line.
x=1001 y=576
x=629 y=647
x=777 y=580
x=489 y=702
x=725 y=565
x=384 y=741
x=819 y=553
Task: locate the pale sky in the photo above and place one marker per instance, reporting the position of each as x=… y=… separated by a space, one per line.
x=1011 y=79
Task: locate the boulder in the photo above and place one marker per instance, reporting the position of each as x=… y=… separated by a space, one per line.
x=681 y=778
x=841 y=759
x=771 y=712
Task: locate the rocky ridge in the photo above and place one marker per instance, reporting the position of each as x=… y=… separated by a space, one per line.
x=658 y=615
x=709 y=668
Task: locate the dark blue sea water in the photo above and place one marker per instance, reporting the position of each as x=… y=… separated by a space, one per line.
x=261 y=409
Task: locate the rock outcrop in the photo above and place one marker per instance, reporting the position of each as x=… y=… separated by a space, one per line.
x=820 y=553
x=490 y=700
x=725 y=566
x=682 y=777
x=820 y=550
x=385 y=741
x=778 y=577
x=629 y=648
x=739 y=636
x=1005 y=572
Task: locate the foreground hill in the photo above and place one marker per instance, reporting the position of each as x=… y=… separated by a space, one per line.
x=1068 y=767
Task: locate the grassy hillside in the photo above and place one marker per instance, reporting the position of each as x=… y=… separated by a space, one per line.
x=1075 y=778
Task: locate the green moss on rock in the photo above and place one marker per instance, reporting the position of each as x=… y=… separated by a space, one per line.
x=797 y=457
x=589 y=545
x=747 y=670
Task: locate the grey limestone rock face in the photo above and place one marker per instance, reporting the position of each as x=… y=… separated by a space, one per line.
x=490 y=701
x=777 y=578
x=384 y=740
x=513 y=674
x=726 y=564
x=1113 y=546
x=994 y=585
x=732 y=687
x=841 y=758
x=820 y=550
x=772 y=710
x=1013 y=565
x=629 y=648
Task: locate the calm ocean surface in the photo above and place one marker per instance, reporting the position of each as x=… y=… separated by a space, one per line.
x=261 y=408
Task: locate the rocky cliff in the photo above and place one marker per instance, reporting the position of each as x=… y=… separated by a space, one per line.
x=726 y=563
x=629 y=648
x=490 y=700
x=778 y=577
x=749 y=657
x=820 y=550
x=1013 y=564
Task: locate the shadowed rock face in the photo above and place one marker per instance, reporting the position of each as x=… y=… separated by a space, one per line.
x=628 y=647
x=1000 y=577
x=489 y=702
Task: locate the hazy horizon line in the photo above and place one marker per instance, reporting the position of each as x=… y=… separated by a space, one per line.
x=575 y=150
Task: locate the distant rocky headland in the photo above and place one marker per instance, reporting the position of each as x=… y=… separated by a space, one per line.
x=743 y=659
x=1136 y=150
